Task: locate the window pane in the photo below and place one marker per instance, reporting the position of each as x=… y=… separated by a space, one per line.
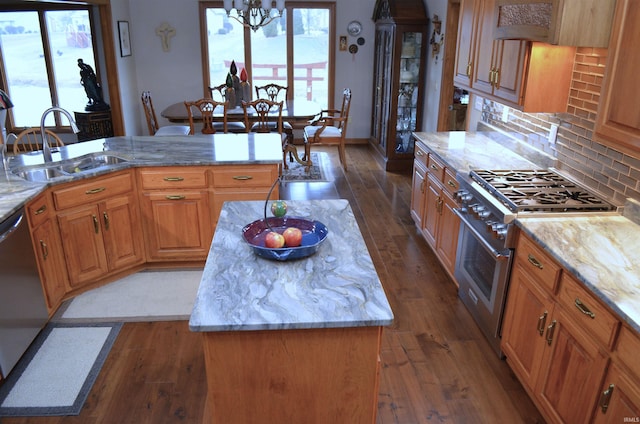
x=28 y=86
x=269 y=53
x=225 y=43
x=70 y=39
x=311 y=54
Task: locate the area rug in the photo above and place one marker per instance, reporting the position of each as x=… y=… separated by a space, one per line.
x=144 y=296
x=316 y=172
x=56 y=374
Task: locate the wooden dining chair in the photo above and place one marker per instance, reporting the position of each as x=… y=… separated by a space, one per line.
x=330 y=127
x=275 y=92
x=207 y=108
x=265 y=114
x=30 y=140
x=152 y=120
x=218 y=93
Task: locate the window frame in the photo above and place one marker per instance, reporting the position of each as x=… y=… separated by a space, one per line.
x=61 y=125
x=289 y=6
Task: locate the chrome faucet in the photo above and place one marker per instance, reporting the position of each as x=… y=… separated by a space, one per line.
x=46 y=150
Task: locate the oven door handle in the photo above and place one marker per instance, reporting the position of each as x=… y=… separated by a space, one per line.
x=495 y=253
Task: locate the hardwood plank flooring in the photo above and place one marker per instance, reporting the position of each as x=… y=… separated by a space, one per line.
x=436 y=365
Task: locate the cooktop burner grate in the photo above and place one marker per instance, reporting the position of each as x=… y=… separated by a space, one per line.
x=538 y=190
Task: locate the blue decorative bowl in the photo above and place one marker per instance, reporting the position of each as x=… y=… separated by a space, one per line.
x=313 y=233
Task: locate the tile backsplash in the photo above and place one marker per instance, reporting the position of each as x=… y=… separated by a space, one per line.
x=611 y=173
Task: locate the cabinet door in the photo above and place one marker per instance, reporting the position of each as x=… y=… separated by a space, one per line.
x=177 y=225
x=418 y=193
x=83 y=244
x=121 y=230
x=619 y=398
x=573 y=370
x=526 y=321
x=447 y=242
x=618 y=117
x=465 y=44
x=509 y=65
x=485 y=50
x=53 y=274
x=431 y=218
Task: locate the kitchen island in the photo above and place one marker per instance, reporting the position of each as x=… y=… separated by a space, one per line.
x=294 y=341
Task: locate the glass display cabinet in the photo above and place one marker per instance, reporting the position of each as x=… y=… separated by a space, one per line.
x=399 y=72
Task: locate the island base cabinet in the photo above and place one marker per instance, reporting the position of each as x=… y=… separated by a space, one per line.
x=327 y=375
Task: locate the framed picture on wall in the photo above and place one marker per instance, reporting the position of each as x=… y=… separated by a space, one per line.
x=125 y=40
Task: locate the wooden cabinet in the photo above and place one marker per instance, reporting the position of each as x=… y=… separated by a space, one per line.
x=47 y=245
x=432 y=202
x=99 y=227
x=556 y=336
x=177 y=218
x=399 y=72
x=555 y=21
x=618 y=117
x=515 y=73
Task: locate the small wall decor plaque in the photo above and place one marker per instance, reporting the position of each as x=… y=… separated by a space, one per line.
x=125 y=39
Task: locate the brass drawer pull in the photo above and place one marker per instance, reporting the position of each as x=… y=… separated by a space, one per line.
x=243 y=177
x=175 y=197
x=606 y=398
x=40 y=210
x=550 y=330
x=105 y=218
x=419 y=153
x=96 y=225
x=542 y=320
x=173 y=179
x=452 y=183
x=95 y=190
x=45 y=249
x=533 y=261
x=584 y=309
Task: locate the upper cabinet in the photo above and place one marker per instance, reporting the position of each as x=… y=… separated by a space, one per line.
x=564 y=22
x=618 y=119
x=528 y=76
x=399 y=70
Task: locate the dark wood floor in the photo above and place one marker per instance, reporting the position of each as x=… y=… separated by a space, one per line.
x=436 y=365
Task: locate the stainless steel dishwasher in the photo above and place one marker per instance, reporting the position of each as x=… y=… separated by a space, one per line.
x=23 y=312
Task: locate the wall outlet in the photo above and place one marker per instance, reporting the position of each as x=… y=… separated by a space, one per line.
x=505 y=114
x=553 y=134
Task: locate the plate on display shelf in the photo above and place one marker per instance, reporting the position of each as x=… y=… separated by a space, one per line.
x=313 y=234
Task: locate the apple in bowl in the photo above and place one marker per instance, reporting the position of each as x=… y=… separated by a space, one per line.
x=274 y=240
x=292 y=237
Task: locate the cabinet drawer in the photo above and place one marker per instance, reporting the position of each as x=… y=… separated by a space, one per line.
x=587 y=311
x=435 y=167
x=421 y=155
x=450 y=183
x=628 y=348
x=95 y=190
x=540 y=266
x=244 y=176
x=39 y=209
x=173 y=177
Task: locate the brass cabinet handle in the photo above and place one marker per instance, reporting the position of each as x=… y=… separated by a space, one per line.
x=584 y=309
x=452 y=183
x=434 y=167
x=606 y=398
x=105 y=218
x=175 y=197
x=469 y=66
x=533 y=261
x=40 y=210
x=173 y=179
x=96 y=225
x=95 y=190
x=550 y=330
x=439 y=203
x=242 y=177
x=419 y=153
x=542 y=320
x=44 y=249
x=497 y=78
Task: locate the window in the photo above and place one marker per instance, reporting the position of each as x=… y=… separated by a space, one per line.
x=40 y=47
x=293 y=50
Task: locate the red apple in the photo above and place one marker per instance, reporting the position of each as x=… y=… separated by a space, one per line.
x=292 y=237
x=274 y=240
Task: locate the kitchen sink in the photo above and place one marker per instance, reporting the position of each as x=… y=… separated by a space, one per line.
x=69 y=167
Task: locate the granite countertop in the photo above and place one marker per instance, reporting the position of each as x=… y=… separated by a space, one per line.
x=336 y=287
x=219 y=149
x=600 y=250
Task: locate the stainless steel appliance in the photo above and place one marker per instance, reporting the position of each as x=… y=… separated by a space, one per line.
x=23 y=312
x=489 y=202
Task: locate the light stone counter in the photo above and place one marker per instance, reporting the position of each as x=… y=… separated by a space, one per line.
x=336 y=287
x=218 y=149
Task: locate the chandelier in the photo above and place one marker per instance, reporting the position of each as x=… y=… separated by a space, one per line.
x=253 y=13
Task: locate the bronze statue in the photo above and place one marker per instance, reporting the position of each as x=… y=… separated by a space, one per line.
x=91 y=87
